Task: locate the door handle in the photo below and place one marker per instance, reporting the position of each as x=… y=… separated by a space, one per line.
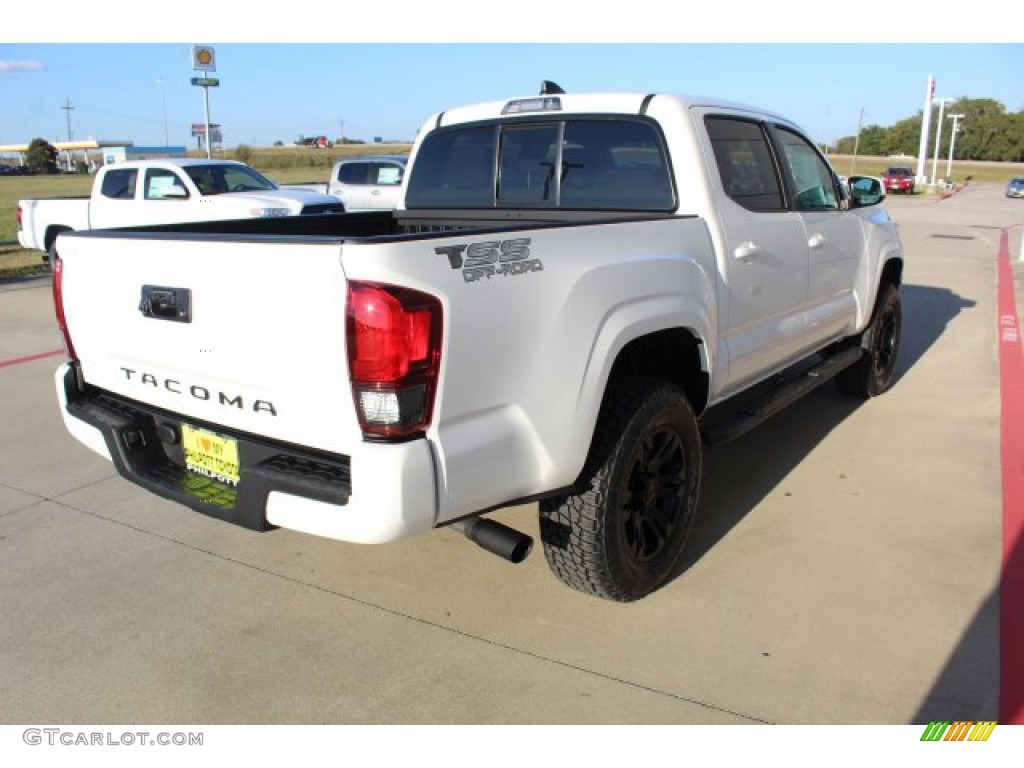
x=163 y=303
x=817 y=242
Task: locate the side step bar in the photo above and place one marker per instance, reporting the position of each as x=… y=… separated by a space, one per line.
x=721 y=429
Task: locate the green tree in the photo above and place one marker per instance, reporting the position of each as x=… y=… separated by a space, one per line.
x=41 y=157
x=986 y=131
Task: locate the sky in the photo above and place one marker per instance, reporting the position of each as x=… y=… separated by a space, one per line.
x=314 y=78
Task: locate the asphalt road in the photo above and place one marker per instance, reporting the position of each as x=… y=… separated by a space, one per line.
x=845 y=566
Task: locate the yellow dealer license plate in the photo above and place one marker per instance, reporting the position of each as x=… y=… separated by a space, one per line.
x=210 y=454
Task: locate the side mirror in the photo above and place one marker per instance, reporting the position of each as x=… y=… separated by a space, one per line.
x=865 y=191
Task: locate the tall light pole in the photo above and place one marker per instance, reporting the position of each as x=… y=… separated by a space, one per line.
x=163 y=96
x=922 y=151
x=952 y=142
x=856 y=142
x=938 y=138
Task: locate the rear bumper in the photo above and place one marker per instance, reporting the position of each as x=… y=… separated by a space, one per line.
x=381 y=493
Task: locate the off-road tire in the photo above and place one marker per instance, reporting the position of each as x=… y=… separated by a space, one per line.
x=622 y=535
x=873 y=374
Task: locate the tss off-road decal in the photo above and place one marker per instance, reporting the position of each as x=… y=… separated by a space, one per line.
x=494 y=257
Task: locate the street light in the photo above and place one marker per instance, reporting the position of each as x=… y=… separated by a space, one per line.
x=856 y=143
x=163 y=96
x=952 y=142
x=938 y=138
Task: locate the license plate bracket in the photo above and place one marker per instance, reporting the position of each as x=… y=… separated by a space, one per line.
x=211 y=454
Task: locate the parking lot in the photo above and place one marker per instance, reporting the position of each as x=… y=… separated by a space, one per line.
x=845 y=567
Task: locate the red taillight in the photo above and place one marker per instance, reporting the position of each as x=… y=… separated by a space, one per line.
x=394 y=355
x=17 y=216
x=58 y=306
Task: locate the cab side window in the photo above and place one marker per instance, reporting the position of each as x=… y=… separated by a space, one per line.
x=119 y=185
x=811 y=177
x=745 y=164
x=157 y=180
x=386 y=174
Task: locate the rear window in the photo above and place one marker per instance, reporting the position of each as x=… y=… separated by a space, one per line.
x=595 y=164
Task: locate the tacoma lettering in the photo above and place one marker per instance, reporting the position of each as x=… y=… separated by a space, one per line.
x=198 y=392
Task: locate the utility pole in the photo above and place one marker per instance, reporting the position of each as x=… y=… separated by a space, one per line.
x=68 y=109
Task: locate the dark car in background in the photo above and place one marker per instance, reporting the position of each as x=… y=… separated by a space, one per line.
x=1016 y=187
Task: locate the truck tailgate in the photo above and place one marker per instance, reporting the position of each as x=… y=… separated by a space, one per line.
x=259 y=348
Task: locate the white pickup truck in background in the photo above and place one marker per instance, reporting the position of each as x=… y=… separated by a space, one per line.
x=364 y=182
x=578 y=292
x=167 y=191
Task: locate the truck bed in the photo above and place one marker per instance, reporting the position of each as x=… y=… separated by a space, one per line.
x=386 y=225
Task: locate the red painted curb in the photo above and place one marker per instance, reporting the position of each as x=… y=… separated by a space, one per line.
x=947 y=195
x=1011 y=591
x=30 y=358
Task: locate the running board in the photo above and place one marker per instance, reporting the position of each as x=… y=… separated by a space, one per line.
x=723 y=427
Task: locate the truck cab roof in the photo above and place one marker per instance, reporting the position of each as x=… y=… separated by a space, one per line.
x=586 y=103
x=180 y=162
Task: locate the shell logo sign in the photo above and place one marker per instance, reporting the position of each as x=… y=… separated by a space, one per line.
x=203 y=58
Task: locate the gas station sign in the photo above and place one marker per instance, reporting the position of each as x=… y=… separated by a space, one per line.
x=203 y=58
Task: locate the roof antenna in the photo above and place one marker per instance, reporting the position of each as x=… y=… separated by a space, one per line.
x=548 y=87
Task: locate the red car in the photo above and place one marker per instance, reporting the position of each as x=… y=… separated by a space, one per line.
x=898 y=179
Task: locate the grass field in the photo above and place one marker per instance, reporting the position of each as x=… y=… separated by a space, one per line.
x=293 y=165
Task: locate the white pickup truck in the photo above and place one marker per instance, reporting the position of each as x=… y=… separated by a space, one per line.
x=578 y=292
x=146 y=192
x=364 y=182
